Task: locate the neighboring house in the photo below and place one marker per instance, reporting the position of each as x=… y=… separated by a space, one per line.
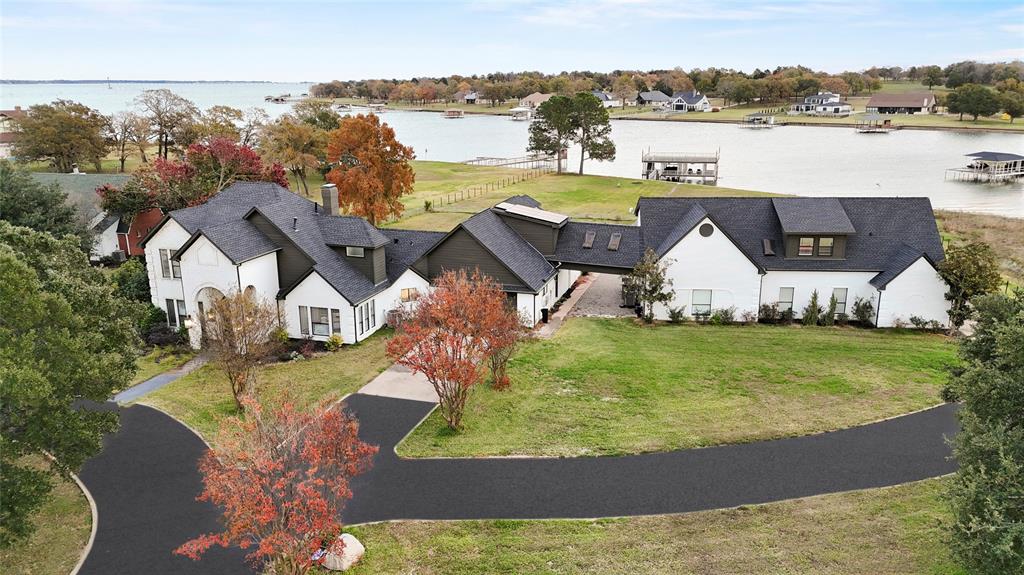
x=689 y=101
x=7 y=130
x=655 y=98
x=607 y=100
x=466 y=97
x=908 y=103
x=822 y=104
x=110 y=230
x=535 y=99
x=746 y=252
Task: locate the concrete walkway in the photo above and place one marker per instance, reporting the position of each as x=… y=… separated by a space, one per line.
x=547 y=330
x=603 y=298
x=156 y=382
x=400 y=382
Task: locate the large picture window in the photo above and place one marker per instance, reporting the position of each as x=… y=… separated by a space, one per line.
x=319 y=320
x=366 y=316
x=700 y=302
x=176 y=313
x=410 y=294
x=786 y=299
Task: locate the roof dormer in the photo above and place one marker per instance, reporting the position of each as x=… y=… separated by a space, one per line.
x=813 y=228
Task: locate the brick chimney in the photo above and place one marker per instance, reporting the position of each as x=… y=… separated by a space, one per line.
x=329 y=193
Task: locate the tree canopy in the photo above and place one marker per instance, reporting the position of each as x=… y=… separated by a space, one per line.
x=68 y=338
x=370 y=167
x=592 y=129
x=970 y=270
x=63 y=133
x=972 y=99
x=552 y=131
x=26 y=202
x=296 y=145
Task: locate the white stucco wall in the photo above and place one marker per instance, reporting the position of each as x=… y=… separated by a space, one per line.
x=171 y=236
x=804 y=284
x=105 y=242
x=314 y=291
x=261 y=274
x=714 y=263
x=204 y=265
x=917 y=291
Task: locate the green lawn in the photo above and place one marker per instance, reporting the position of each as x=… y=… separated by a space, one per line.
x=610 y=386
x=596 y=198
x=159 y=360
x=895 y=530
x=62 y=530
x=202 y=398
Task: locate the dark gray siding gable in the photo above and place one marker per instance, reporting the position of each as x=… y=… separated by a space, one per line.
x=461 y=251
x=540 y=236
x=292 y=263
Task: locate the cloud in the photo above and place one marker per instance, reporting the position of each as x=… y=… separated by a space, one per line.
x=1002 y=55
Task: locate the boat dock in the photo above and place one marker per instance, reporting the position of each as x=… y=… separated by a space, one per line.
x=989 y=167
x=686 y=167
x=873 y=123
x=529 y=162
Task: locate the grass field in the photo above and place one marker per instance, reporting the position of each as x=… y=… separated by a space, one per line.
x=627 y=388
x=62 y=530
x=1005 y=235
x=896 y=531
x=203 y=398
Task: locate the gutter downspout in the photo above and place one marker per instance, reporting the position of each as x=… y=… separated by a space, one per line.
x=878 y=312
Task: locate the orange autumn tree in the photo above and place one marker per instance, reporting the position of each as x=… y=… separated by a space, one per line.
x=281 y=480
x=371 y=168
x=448 y=337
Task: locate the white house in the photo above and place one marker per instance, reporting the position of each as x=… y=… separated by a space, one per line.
x=607 y=100
x=745 y=252
x=689 y=101
x=822 y=104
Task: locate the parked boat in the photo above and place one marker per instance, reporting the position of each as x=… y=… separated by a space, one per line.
x=454 y=114
x=521 y=114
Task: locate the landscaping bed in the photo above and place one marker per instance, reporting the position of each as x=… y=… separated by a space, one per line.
x=890 y=530
x=202 y=398
x=612 y=386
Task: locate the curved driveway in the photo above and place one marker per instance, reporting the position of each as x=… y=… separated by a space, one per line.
x=145 y=480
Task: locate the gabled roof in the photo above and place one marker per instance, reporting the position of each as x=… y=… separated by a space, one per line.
x=81 y=189
x=901 y=259
x=535 y=98
x=104 y=221
x=521 y=258
x=996 y=156
x=409 y=246
x=882 y=224
x=523 y=200
x=603 y=96
x=690 y=96
x=687 y=222
x=812 y=216
x=350 y=231
x=654 y=96
x=238 y=239
x=905 y=100
x=571 y=240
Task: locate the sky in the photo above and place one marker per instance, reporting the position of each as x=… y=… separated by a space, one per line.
x=319 y=41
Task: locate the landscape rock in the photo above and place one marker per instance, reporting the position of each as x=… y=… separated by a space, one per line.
x=349 y=556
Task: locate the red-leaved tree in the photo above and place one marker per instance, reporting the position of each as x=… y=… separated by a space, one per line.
x=281 y=480
x=446 y=337
x=503 y=331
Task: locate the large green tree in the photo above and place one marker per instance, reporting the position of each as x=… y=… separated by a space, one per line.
x=299 y=146
x=63 y=133
x=1013 y=104
x=553 y=129
x=970 y=270
x=974 y=100
x=26 y=202
x=64 y=337
x=592 y=129
x=987 y=493
x=649 y=282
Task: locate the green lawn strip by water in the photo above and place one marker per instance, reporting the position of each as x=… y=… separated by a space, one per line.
x=62 y=530
x=895 y=530
x=610 y=387
x=203 y=398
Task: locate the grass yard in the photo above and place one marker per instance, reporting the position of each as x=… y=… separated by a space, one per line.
x=596 y=198
x=62 y=525
x=203 y=398
x=894 y=530
x=159 y=360
x=610 y=387
x=1005 y=235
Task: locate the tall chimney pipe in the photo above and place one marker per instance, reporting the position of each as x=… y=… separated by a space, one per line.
x=329 y=192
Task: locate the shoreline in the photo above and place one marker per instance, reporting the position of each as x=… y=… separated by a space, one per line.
x=968 y=128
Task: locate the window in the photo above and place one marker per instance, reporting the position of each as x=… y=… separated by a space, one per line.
x=175 y=268
x=701 y=301
x=706 y=230
x=319 y=320
x=354 y=252
x=825 y=247
x=785 y=299
x=806 y=247
x=366 y=316
x=303 y=320
x=410 y=294
x=840 y=295
x=165 y=263
x=176 y=313
x=359 y=319
x=335 y=321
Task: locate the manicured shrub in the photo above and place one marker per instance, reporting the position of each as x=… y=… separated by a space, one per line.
x=786 y=317
x=162 y=334
x=842 y=319
x=723 y=316
x=769 y=313
x=748 y=317
x=864 y=311
x=676 y=314
x=829 y=318
x=152 y=317
x=812 y=313
x=333 y=343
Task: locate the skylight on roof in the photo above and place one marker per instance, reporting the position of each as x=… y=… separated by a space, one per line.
x=532 y=213
x=588 y=240
x=613 y=242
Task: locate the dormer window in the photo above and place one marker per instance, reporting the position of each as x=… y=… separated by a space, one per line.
x=825 y=247
x=806 y=247
x=354 y=252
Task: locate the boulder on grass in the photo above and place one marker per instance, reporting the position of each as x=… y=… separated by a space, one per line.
x=349 y=556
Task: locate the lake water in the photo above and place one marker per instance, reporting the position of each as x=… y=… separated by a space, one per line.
x=810 y=161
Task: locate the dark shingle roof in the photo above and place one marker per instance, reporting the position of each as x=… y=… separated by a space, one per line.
x=687 y=222
x=883 y=225
x=996 y=156
x=105 y=222
x=905 y=100
x=570 y=245
x=238 y=239
x=521 y=258
x=351 y=231
x=690 y=97
x=523 y=200
x=654 y=96
x=812 y=216
x=408 y=246
x=902 y=258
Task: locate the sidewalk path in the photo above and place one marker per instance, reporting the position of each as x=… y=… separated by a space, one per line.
x=156 y=382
